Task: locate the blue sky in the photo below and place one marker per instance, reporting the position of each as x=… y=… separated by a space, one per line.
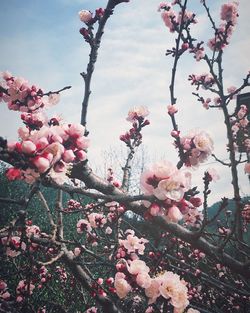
x=40 y=41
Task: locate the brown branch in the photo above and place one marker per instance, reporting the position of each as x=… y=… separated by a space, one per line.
x=107 y=304
x=95 y=44
x=47 y=209
x=92 y=181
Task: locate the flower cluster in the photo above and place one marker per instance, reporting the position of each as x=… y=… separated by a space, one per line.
x=197 y=146
x=204 y=80
x=131 y=245
x=4 y=294
x=172 y=19
x=229 y=15
x=165 y=181
x=49 y=149
x=45 y=146
x=23 y=289
x=167 y=285
x=23 y=97
x=240 y=129
x=169 y=186
x=89 y=19
x=136 y=116
x=14 y=245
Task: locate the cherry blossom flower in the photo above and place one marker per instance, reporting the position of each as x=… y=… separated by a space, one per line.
x=174 y=289
x=152 y=292
x=133 y=244
x=174 y=215
x=83 y=225
x=121 y=285
x=97 y=220
x=213 y=175
x=229 y=12
x=136 y=113
x=198 y=146
x=85 y=16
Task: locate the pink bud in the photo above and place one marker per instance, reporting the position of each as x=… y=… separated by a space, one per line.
x=28 y=147
x=41 y=143
x=85 y=16
x=172 y=109
x=174 y=214
x=185 y=46
x=19 y=299
x=100 y=281
x=5 y=295
x=81 y=155
x=11 y=145
x=68 y=156
x=175 y=133
x=154 y=209
x=82 y=142
x=13 y=173
x=41 y=163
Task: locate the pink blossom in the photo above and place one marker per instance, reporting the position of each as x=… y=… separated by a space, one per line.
x=154 y=174
x=68 y=156
x=28 y=147
x=30 y=175
x=137 y=112
x=152 y=292
x=229 y=12
x=42 y=143
x=172 y=287
x=83 y=225
x=133 y=244
x=174 y=215
x=81 y=155
x=5 y=295
x=24 y=287
x=154 y=209
x=108 y=230
x=213 y=175
x=13 y=173
x=173 y=187
x=121 y=285
x=168 y=17
x=15 y=246
x=172 y=109
x=41 y=163
x=97 y=220
x=82 y=143
x=85 y=16
x=203 y=141
x=143 y=279
x=75 y=130
x=231 y=89
x=32 y=230
x=53 y=98
x=138 y=266
x=3 y=285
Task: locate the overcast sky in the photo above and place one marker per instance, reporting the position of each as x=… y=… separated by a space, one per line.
x=40 y=41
